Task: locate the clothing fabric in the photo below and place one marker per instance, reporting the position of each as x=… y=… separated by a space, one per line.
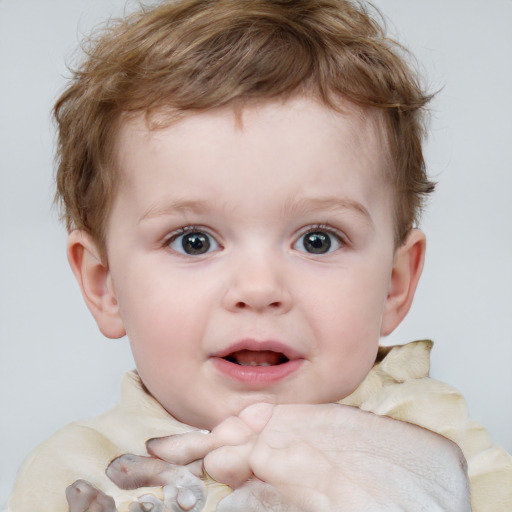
x=397 y=386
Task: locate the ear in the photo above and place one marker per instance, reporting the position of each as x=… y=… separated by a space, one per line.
x=95 y=281
x=407 y=268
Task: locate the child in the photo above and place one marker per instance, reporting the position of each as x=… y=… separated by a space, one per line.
x=245 y=212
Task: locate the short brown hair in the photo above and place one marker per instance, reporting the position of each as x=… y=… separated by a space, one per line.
x=193 y=55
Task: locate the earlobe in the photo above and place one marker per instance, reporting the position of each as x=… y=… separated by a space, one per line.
x=407 y=268
x=95 y=282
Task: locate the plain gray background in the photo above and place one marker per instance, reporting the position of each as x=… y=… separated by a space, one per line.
x=56 y=367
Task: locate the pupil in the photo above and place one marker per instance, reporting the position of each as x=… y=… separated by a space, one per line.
x=317 y=243
x=196 y=243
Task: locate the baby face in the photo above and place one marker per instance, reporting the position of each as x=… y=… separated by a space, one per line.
x=251 y=261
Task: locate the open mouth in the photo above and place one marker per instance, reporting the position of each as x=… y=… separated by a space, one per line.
x=256 y=364
x=256 y=358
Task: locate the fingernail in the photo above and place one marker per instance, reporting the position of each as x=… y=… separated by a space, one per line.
x=186 y=499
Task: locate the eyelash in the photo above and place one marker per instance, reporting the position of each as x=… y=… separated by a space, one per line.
x=339 y=238
x=174 y=236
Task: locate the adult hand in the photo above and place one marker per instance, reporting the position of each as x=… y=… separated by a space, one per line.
x=324 y=457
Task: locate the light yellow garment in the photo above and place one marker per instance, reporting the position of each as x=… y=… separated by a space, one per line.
x=398 y=386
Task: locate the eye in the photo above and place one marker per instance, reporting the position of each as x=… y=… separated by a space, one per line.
x=193 y=242
x=318 y=241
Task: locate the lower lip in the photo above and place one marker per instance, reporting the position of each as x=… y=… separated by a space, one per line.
x=256 y=374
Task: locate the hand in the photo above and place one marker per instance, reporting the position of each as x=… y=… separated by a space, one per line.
x=82 y=496
x=182 y=490
x=325 y=457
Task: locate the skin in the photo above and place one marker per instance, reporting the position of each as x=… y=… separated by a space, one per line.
x=342 y=459
x=256 y=188
x=183 y=491
x=83 y=496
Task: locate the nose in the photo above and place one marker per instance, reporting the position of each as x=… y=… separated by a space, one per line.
x=258 y=283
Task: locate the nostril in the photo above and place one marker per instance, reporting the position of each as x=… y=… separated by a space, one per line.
x=243 y=305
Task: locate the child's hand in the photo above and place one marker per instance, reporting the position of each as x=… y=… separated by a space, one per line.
x=325 y=457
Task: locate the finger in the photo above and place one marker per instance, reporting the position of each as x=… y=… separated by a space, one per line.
x=185 y=448
x=82 y=496
x=257 y=416
x=196 y=468
x=300 y=474
x=186 y=499
x=147 y=504
x=189 y=495
x=229 y=464
x=182 y=448
x=133 y=471
x=182 y=489
x=257 y=496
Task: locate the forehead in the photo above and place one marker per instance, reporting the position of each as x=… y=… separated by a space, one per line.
x=262 y=125
x=261 y=165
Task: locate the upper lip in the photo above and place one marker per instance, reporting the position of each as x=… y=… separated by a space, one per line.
x=259 y=346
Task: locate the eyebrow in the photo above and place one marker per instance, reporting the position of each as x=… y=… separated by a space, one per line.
x=314 y=204
x=179 y=205
x=291 y=206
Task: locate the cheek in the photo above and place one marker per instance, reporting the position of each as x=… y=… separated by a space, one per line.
x=155 y=300
x=351 y=303
x=346 y=319
x=165 y=319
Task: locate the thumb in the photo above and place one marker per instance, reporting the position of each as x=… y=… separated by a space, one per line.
x=257 y=416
